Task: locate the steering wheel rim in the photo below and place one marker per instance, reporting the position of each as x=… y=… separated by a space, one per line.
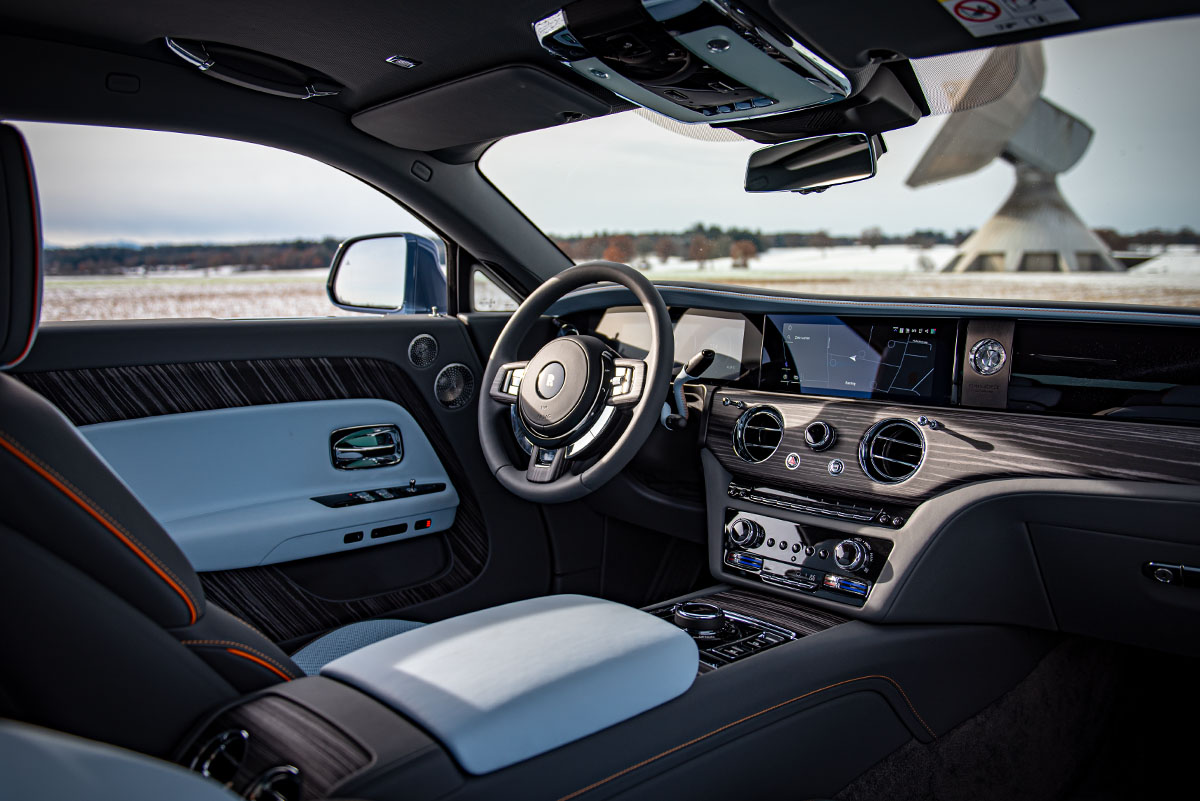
x=493 y=415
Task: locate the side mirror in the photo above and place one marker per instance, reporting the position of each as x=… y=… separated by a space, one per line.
x=815 y=164
x=388 y=274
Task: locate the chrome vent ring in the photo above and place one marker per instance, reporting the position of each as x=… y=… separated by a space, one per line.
x=757 y=433
x=891 y=451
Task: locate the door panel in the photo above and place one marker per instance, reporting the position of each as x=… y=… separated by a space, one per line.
x=494 y=551
x=239 y=487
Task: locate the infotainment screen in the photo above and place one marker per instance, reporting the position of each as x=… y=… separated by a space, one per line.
x=893 y=358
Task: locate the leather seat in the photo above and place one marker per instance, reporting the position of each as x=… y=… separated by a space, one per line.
x=106 y=628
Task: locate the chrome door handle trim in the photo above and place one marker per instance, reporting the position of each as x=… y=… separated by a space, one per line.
x=346 y=454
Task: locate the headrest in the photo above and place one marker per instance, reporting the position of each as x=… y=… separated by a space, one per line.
x=20 y=250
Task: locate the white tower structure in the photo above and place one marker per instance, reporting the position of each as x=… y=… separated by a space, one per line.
x=1036 y=230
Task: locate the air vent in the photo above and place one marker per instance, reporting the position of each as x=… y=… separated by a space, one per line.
x=757 y=433
x=891 y=451
x=220 y=757
x=281 y=783
x=454 y=386
x=422 y=351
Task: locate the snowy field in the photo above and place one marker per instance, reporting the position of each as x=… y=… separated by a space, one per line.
x=1172 y=279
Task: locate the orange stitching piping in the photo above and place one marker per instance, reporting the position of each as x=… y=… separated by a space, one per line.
x=246 y=652
x=101 y=517
x=97 y=508
x=720 y=729
x=256 y=660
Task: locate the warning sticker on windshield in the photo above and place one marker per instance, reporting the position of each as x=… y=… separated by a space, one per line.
x=994 y=17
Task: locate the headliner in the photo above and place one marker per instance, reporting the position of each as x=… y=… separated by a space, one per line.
x=350 y=41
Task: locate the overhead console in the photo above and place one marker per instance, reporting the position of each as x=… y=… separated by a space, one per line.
x=691 y=60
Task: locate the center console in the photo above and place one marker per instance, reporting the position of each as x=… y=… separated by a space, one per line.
x=733 y=625
x=469 y=696
x=809 y=559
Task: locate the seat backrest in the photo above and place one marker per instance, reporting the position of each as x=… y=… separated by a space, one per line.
x=106 y=630
x=20 y=249
x=46 y=765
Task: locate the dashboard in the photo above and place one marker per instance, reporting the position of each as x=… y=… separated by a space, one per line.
x=893 y=457
x=1127 y=371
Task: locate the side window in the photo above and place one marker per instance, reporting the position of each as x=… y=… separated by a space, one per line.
x=145 y=224
x=486 y=295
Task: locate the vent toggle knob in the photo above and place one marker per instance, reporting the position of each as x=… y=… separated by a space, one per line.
x=852 y=555
x=820 y=435
x=745 y=533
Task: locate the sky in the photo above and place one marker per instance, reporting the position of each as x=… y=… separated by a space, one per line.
x=621 y=173
x=105 y=185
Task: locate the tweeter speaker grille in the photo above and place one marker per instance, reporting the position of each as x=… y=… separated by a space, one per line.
x=454 y=386
x=423 y=351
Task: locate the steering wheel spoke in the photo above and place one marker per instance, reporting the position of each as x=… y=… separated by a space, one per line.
x=628 y=381
x=546 y=464
x=507 y=385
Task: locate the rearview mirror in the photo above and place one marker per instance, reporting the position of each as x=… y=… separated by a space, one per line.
x=388 y=274
x=815 y=164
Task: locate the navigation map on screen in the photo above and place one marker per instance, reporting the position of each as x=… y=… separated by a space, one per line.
x=869 y=359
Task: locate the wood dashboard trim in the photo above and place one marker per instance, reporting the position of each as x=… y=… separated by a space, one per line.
x=970 y=446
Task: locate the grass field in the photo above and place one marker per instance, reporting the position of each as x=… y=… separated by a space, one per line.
x=838 y=271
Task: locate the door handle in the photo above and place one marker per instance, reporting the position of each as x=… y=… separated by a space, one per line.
x=361 y=447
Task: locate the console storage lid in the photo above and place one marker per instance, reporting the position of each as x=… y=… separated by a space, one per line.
x=504 y=684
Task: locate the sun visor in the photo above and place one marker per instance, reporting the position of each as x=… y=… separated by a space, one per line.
x=485 y=106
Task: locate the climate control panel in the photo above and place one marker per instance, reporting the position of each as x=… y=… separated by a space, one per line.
x=805 y=559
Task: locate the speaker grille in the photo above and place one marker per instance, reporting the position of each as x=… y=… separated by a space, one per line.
x=423 y=351
x=454 y=386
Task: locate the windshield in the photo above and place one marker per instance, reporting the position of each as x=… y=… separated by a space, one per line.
x=1085 y=190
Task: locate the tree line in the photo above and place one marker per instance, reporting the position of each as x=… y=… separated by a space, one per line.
x=700 y=243
x=703 y=243
x=299 y=254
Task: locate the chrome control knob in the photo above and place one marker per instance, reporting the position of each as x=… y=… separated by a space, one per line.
x=820 y=435
x=700 y=619
x=745 y=533
x=852 y=555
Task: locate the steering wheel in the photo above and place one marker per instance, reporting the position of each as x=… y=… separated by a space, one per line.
x=563 y=391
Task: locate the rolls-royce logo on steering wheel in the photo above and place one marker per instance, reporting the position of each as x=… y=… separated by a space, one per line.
x=550 y=380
